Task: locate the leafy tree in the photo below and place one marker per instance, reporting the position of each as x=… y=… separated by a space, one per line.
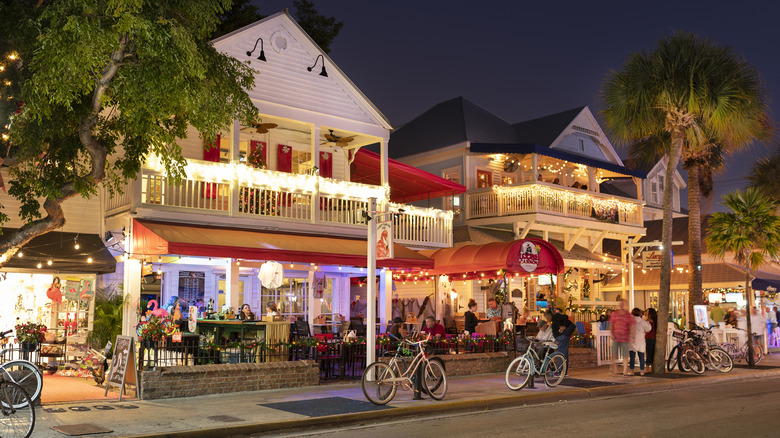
x=694 y=91
x=107 y=83
x=751 y=232
x=765 y=175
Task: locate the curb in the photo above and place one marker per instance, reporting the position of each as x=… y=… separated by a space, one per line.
x=521 y=398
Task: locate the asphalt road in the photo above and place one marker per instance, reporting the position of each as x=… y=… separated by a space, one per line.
x=748 y=408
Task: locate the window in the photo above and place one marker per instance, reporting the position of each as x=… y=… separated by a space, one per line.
x=581 y=144
x=452 y=203
x=653 y=193
x=301 y=162
x=508 y=179
x=484 y=178
x=290 y=298
x=661 y=183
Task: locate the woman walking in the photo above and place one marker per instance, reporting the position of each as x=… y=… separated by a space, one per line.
x=652 y=318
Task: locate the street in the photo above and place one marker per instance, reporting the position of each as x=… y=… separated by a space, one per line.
x=745 y=408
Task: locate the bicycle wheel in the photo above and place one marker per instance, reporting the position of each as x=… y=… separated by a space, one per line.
x=671 y=362
x=692 y=361
x=15 y=422
x=720 y=360
x=435 y=380
x=375 y=386
x=26 y=375
x=518 y=373
x=758 y=353
x=555 y=370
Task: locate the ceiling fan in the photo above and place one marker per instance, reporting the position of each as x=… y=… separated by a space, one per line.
x=340 y=141
x=511 y=165
x=260 y=127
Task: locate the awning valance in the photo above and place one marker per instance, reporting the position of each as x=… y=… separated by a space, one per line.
x=407 y=183
x=523 y=257
x=766 y=284
x=157 y=238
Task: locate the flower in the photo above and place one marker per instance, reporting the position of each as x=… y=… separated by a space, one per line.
x=154 y=329
x=30 y=332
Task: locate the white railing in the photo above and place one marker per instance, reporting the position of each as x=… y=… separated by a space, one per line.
x=238 y=191
x=119 y=201
x=551 y=198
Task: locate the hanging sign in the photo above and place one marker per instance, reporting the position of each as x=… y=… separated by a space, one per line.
x=384 y=240
x=123 y=370
x=192 y=322
x=651 y=259
x=529 y=256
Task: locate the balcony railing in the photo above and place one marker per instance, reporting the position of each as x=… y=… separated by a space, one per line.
x=548 y=198
x=236 y=190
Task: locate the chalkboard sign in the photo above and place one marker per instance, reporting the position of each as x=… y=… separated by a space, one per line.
x=123 y=370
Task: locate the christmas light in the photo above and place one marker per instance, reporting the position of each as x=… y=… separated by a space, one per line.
x=89 y=259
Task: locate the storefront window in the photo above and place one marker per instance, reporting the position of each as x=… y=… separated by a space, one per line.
x=290 y=297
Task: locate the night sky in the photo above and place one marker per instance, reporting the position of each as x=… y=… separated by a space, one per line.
x=522 y=60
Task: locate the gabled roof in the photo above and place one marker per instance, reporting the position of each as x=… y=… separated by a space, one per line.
x=544 y=130
x=284 y=79
x=449 y=123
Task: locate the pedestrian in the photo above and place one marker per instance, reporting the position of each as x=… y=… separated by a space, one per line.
x=637 y=345
x=620 y=326
x=652 y=318
x=562 y=329
x=771 y=317
x=717 y=313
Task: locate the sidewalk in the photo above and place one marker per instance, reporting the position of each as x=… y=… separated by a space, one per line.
x=344 y=403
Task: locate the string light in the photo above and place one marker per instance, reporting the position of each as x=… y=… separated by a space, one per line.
x=89 y=259
x=20 y=254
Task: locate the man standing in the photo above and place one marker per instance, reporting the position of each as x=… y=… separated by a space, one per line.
x=562 y=329
x=620 y=324
x=717 y=313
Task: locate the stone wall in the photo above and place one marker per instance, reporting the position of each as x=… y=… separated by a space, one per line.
x=188 y=381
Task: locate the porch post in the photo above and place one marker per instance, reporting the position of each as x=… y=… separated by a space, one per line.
x=385 y=297
x=232 y=285
x=132 y=281
x=310 y=300
x=384 y=171
x=371 y=276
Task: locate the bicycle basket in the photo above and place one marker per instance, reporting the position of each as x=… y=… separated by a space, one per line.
x=522 y=344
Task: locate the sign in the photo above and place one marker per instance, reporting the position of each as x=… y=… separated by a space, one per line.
x=123 y=370
x=651 y=259
x=529 y=256
x=384 y=240
x=192 y=320
x=701 y=318
x=676 y=334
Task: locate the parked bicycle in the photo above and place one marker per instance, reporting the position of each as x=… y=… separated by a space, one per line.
x=696 y=352
x=741 y=353
x=22 y=372
x=381 y=379
x=526 y=367
x=17 y=414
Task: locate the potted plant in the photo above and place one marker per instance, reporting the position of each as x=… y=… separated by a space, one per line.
x=30 y=334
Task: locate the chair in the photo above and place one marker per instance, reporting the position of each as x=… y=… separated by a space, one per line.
x=582 y=331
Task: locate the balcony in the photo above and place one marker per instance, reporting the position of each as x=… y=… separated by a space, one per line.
x=288 y=202
x=539 y=197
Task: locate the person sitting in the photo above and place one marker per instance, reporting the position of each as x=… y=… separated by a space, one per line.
x=545 y=335
x=270 y=309
x=493 y=312
x=432 y=328
x=245 y=314
x=576 y=185
x=471 y=320
x=397 y=330
x=556 y=181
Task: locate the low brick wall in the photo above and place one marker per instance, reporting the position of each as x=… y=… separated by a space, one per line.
x=188 y=381
x=476 y=363
x=582 y=358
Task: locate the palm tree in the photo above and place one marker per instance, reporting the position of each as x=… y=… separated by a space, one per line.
x=766 y=175
x=686 y=85
x=751 y=231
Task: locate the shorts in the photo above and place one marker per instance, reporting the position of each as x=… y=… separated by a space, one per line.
x=619 y=347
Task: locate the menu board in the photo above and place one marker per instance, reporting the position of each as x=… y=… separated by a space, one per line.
x=123 y=370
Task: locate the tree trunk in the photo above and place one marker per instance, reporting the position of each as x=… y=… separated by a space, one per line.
x=678 y=135
x=751 y=360
x=694 y=241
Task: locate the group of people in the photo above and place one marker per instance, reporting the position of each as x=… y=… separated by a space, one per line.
x=246 y=314
x=431 y=328
x=633 y=336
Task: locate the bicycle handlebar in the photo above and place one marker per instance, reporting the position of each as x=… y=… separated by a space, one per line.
x=6 y=333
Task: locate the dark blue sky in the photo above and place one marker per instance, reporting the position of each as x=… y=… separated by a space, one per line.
x=522 y=60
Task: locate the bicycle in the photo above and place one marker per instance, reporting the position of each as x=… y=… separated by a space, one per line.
x=381 y=380
x=22 y=372
x=742 y=353
x=524 y=368
x=17 y=414
x=705 y=353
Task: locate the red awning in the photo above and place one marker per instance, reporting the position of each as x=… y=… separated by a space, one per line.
x=407 y=183
x=157 y=238
x=524 y=257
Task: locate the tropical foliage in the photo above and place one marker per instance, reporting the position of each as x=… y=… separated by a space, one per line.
x=751 y=232
x=107 y=321
x=697 y=93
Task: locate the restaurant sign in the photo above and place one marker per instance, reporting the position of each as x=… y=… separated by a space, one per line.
x=384 y=240
x=529 y=256
x=651 y=259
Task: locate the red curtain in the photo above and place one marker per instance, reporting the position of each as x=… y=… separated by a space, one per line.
x=284 y=158
x=254 y=144
x=326 y=165
x=212 y=154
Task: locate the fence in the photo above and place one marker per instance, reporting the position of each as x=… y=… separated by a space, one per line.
x=337 y=358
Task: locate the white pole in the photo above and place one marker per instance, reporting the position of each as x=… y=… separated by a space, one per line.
x=371 y=280
x=630 y=273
